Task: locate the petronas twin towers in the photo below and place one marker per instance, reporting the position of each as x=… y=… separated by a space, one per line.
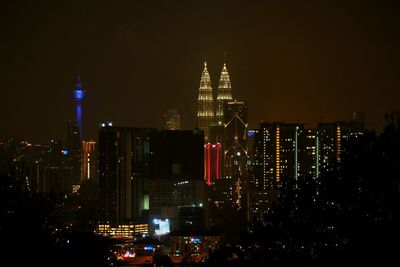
x=207 y=114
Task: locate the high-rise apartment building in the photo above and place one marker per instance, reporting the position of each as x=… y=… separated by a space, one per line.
x=281 y=152
x=290 y=151
x=330 y=143
x=310 y=153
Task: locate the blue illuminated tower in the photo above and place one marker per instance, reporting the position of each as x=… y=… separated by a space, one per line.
x=79 y=95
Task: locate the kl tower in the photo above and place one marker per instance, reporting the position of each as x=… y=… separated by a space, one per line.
x=79 y=95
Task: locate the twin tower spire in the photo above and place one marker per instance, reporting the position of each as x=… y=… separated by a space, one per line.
x=205 y=112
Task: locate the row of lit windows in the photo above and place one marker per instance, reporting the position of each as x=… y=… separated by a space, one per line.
x=277 y=154
x=338 y=137
x=122 y=230
x=206 y=97
x=205 y=114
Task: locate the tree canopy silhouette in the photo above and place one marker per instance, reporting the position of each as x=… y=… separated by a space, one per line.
x=349 y=215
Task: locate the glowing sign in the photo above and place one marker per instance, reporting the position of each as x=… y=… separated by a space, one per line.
x=65 y=152
x=148 y=248
x=250 y=133
x=162 y=226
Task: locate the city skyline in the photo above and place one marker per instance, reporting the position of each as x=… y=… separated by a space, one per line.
x=310 y=63
x=200 y=133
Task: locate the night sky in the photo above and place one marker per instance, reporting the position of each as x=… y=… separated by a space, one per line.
x=291 y=61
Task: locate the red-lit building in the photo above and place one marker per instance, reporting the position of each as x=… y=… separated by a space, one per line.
x=212 y=162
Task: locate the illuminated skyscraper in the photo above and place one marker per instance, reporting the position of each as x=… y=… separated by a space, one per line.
x=79 y=95
x=235 y=147
x=224 y=94
x=88 y=160
x=205 y=111
x=235 y=150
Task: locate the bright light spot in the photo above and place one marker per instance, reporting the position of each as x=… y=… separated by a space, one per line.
x=79 y=94
x=162 y=226
x=195 y=240
x=129 y=255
